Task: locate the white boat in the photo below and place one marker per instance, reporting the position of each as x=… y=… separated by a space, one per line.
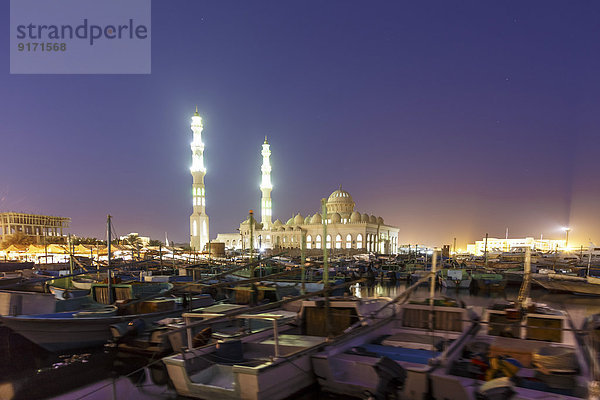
x=574 y=284
x=89 y=324
x=272 y=364
x=455 y=279
x=394 y=356
x=514 y=356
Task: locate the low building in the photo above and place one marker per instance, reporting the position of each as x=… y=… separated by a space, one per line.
x=495 y=245
x=35 y=226
x=142 y=240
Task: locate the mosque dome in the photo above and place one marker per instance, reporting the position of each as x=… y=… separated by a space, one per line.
x=355 y=217
x=340 y=201
x=380 y=220
x=336 y=218
x=277 y=222
x=316 y=219
x=298 y=219
x=364 y=218
x=373 y=219
x=290 y=221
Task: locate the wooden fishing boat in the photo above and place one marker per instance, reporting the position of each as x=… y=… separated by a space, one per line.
x=530 y=355
x=10 y=279
x=454 y=278
x=64 y=288
x=90 y=325
x=572 y=284
x=254 y=367
x=489 y=281
x=393 y=357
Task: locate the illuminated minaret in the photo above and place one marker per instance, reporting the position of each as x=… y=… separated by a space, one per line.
x=198 y=219
x=265 y=186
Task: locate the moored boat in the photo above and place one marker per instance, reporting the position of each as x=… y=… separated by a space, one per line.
x=455 y=278
x=530 y=355
x=393 y=357
x=254 y=367
x=489 y=281
x=572 y=284
x=89 y=325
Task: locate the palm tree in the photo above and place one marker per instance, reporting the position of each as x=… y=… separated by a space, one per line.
x=16 y=238
x=135 y=243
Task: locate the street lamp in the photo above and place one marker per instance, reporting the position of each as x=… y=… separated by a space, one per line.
x=566 y=229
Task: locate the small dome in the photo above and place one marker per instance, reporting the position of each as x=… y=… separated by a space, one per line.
x=355 y=217
x=336 y=218
x=277 y=222
x=364 y=218
x=298 y=219
x=290 y=221
x=316 y=219
x=380 y=220
x=373 y=219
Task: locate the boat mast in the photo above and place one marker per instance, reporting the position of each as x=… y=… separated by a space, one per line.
x=303 y=259
x=108 y=235
x=325 y=265
x=485 y=253
x=251 y=223
x=432 y=282
x=70 y=255
x=524 y=290
x=589 y=258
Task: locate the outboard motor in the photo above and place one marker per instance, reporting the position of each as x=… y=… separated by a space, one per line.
x=392 y=377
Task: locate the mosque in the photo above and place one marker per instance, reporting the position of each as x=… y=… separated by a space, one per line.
x=346 y=228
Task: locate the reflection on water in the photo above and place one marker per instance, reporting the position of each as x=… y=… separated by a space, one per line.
x=577 y=307
x=28 y=372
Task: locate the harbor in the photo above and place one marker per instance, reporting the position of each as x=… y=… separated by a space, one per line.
x=328 y=200
x=99 y=374
x=268 y=325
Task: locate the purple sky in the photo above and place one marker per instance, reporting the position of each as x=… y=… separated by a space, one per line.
x=447 y=118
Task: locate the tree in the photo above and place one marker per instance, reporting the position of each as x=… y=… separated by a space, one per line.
x=135 y=243
x=16 y=238
x=156 y=243
x=87 y=240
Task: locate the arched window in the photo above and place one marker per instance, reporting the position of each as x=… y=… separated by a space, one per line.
x=195 y=228
x=318 y=244
x=359 y=241
x=328 y=241
x=338 y=241
x=308 y=242
x=227 y=243
x=348 y=241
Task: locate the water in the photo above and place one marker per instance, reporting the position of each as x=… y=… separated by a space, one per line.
x=28 y=372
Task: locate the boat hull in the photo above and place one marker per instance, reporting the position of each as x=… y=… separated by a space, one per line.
x=60 y=334
x=454 y=284
x=485 y=284
x=62 y=293
x=575 y=287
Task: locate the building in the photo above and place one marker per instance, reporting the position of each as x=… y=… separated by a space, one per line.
x=142 y=240
x=36 y=226
x=347 y=228
x=495 y=245
x=198 y=219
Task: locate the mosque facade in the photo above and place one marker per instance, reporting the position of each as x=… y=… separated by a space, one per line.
x=346 y=227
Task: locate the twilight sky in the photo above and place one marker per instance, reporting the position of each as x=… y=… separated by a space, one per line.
x=447 y=118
